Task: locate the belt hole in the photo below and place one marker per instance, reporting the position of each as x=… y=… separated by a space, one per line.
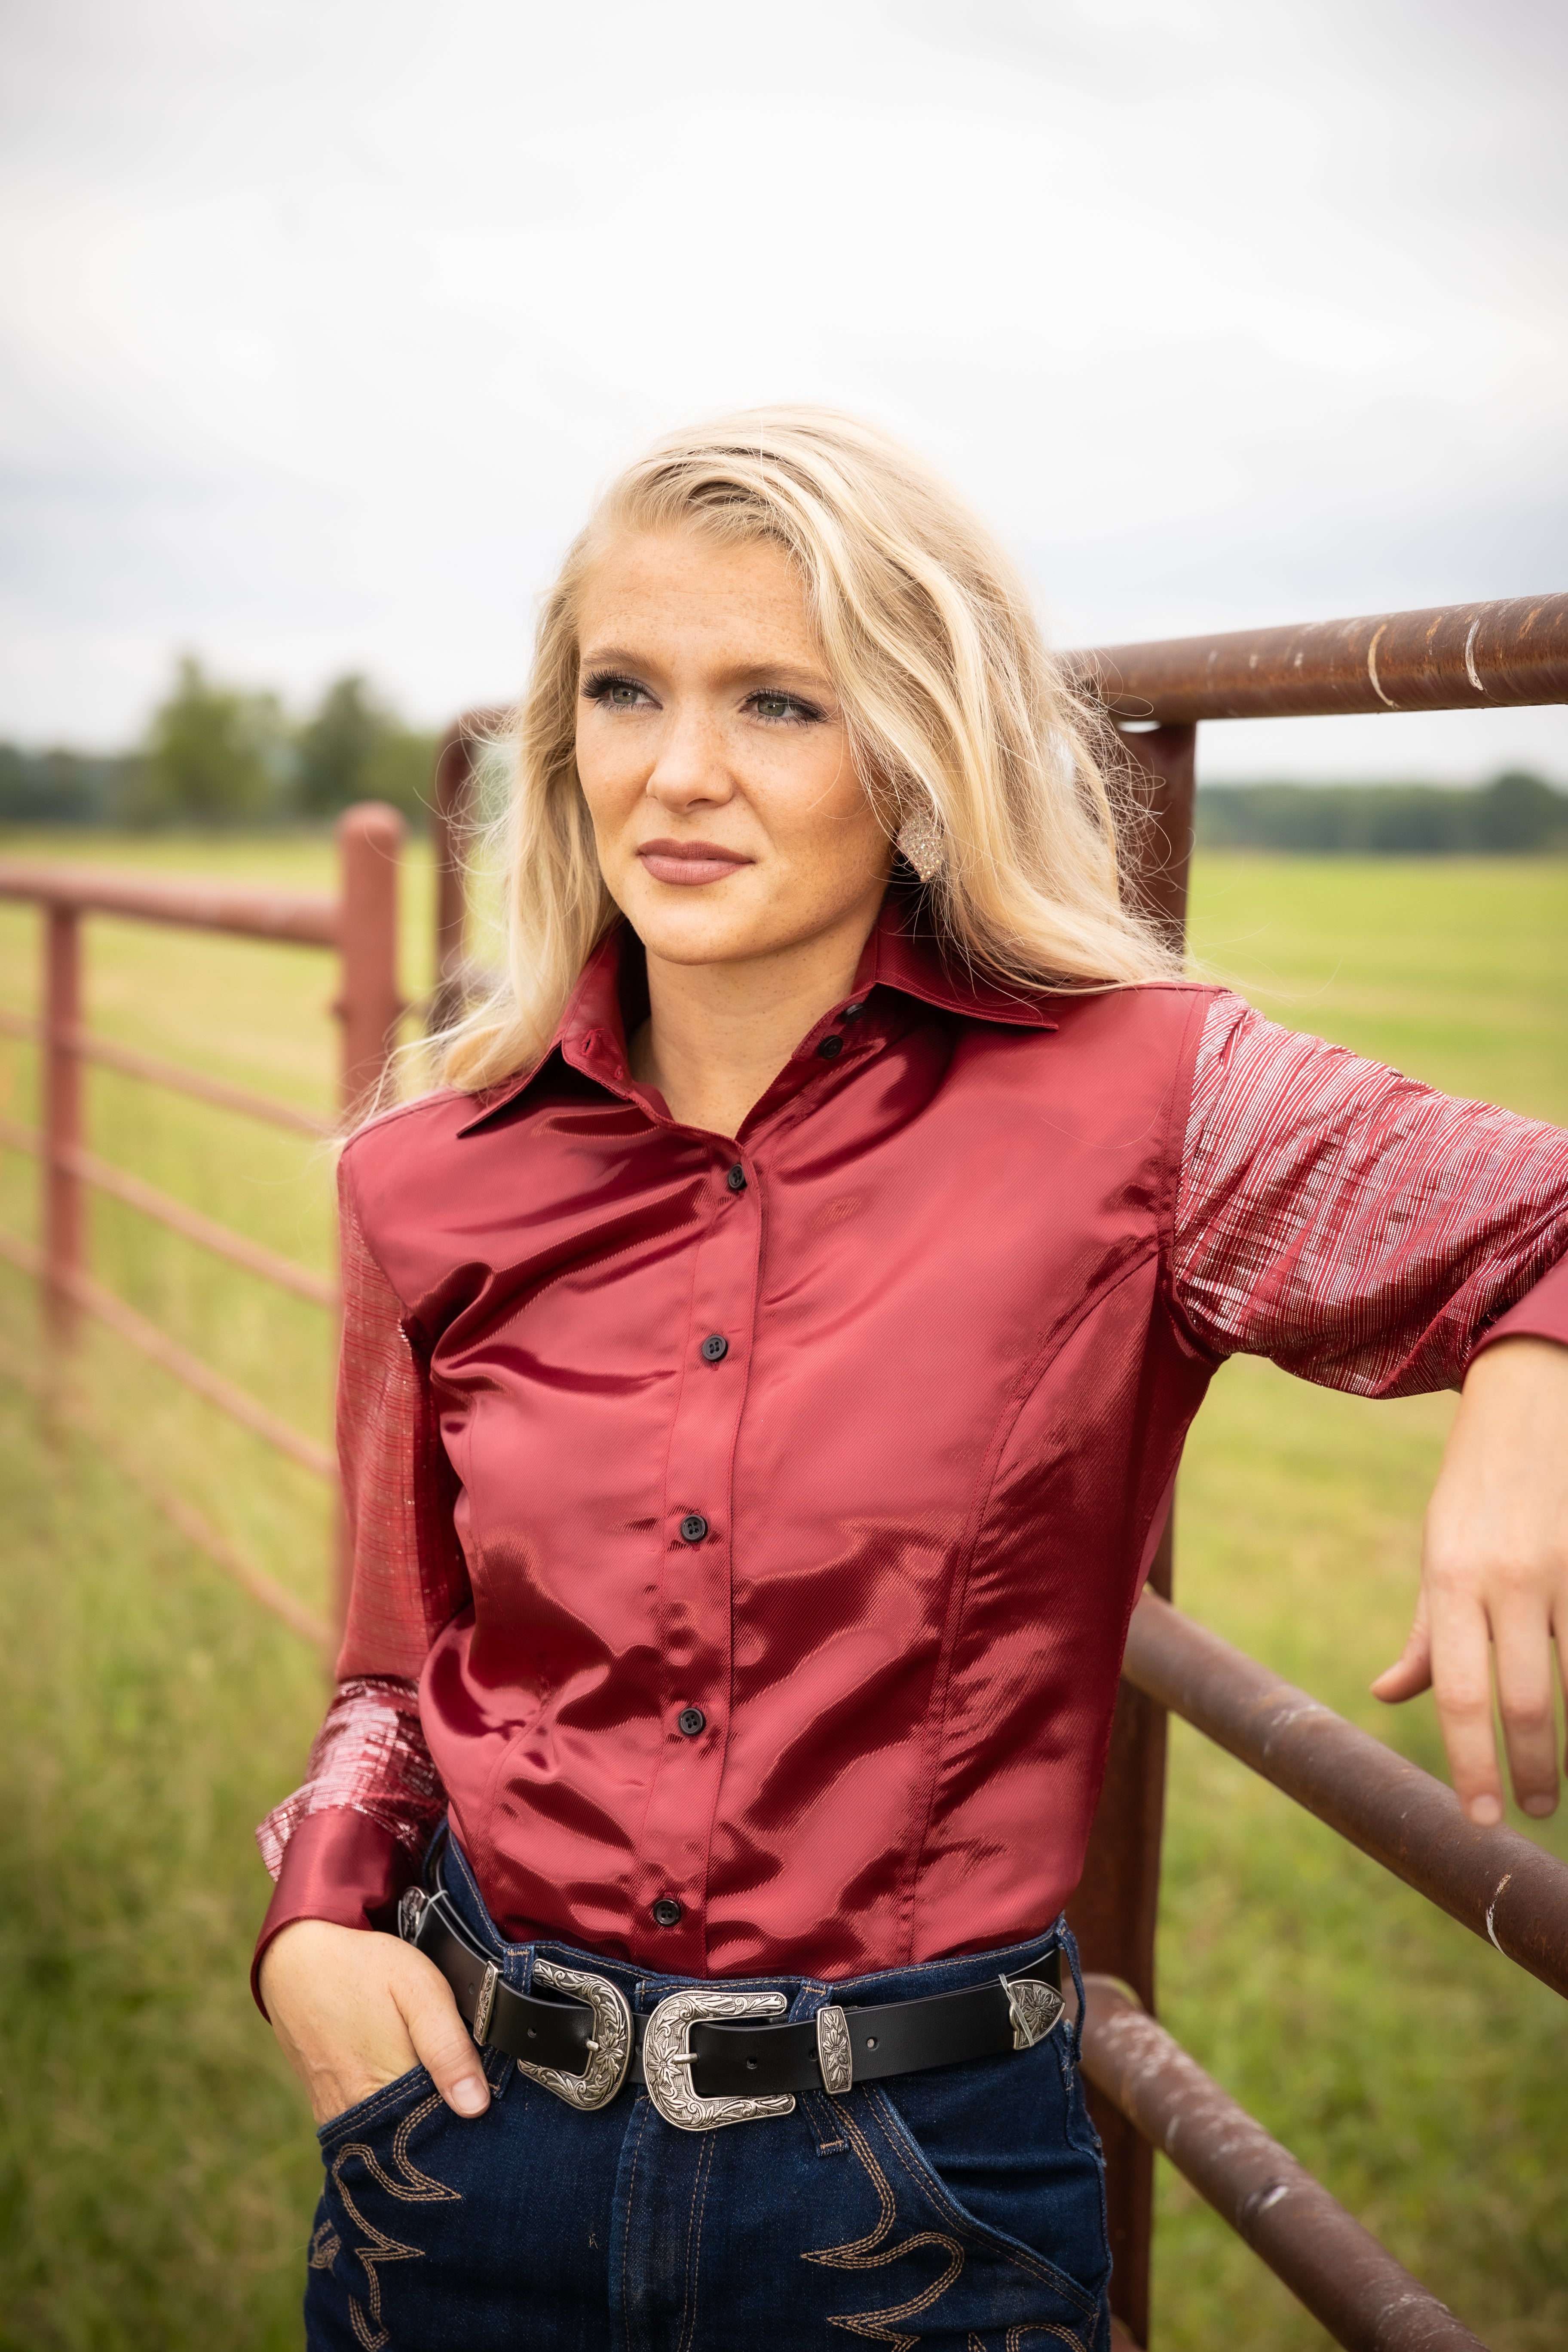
x=751 y=2066
x=533 y=2032
x=870 y=2042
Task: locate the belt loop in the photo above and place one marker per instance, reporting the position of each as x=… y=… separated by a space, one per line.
x=430 y=1872
x=1067 y=1942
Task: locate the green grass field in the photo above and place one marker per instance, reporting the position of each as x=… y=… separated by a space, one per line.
x=157 y=2172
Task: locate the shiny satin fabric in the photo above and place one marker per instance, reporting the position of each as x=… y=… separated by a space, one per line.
x=887 y=1541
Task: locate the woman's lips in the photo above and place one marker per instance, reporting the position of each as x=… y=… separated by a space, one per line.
x=690 y=861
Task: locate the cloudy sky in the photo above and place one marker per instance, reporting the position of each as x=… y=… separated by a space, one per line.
x=322 y=320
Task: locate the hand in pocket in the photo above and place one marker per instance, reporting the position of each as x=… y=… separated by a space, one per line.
x=353 y=2010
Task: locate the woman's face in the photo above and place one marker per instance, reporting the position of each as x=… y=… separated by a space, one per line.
x=714 y=757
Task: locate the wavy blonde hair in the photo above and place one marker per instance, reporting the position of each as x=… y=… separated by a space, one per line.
x=954 y=707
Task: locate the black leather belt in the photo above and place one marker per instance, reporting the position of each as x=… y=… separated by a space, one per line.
x=706 y=2054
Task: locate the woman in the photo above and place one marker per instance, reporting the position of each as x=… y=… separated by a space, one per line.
x=766 y=1366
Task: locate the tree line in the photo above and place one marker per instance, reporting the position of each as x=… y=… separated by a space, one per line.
x=1516 y=814
x=217 y=754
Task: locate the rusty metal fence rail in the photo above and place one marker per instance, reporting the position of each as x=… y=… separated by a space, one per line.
x=360 y=925
x=1147 y=2092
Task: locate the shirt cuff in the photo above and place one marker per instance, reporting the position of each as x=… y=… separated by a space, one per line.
x=338 y=1865
x=1540 y=1314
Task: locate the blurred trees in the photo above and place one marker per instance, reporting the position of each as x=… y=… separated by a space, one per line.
x=60 y=787
x=356 y=748
x=1515 y=814
x=1519 y=811
x=213 y=755
x=217 y=754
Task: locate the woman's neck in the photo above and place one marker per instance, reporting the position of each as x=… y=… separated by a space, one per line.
x=718 y=1035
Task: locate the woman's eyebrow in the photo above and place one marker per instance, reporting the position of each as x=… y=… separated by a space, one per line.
x=779 y=674
x=606 y=656
x=746 y=672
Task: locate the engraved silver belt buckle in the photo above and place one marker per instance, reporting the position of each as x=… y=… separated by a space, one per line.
x=667 y=2059
x=609 y=2050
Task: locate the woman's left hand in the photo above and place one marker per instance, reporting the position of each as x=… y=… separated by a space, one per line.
x=1494 y=1571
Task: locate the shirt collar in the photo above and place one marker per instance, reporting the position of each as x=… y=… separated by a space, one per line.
x=899 y=955
x=611 y=998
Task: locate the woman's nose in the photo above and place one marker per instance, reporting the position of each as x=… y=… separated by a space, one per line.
x=691 y=766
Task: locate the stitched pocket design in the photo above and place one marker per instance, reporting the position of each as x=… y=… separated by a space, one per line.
x=1043 y=2299
x=873 y=2253
x=408 y=2184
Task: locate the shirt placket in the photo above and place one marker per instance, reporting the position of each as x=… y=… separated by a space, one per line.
x=669 y=1894
x=695 y=1590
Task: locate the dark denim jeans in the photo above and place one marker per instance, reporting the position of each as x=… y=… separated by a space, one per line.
x=961 y=2210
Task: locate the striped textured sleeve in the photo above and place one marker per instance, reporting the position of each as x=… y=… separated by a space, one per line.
x=348 y=1841
x=1364 y=1231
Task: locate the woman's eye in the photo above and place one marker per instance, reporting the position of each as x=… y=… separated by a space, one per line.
x=614 y=693
x=782 y=705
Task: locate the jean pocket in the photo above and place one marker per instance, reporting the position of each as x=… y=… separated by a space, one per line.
x=377 y=2108
x=991 y=2147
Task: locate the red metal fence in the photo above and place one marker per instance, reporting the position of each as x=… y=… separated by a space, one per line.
x=361 y=924
x=1146 y=2091
x=1149 y=2093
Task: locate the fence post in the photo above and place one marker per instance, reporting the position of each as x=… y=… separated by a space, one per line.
x=61 y=1087
x=1115 y=1911
x=370 y=846
x=449 y=819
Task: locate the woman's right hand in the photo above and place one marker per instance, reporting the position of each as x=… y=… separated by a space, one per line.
x=354 y=2010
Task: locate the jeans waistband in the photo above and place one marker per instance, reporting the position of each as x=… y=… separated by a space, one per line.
x=645 y=1988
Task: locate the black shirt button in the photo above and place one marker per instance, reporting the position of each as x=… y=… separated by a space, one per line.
x=715 y=1348
x=736 y=1179
x=852 y=1012
x=691 y=1721
x=667 y=1912
x=829 y=1046
x=693 y=1528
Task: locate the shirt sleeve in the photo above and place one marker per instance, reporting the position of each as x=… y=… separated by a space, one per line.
x=348 y=1841
x=1365 y=1232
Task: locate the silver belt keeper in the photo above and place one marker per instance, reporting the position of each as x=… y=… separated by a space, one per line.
x=1035 y=2010
x=834 y=2055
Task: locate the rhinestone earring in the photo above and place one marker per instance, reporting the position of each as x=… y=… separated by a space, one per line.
x=919 y=840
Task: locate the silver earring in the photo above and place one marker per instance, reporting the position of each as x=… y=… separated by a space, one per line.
x=918 y=840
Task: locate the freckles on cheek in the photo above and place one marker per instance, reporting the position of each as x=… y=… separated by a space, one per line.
x=596 y=781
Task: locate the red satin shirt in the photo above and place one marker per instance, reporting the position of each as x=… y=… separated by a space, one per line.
x=746 y=1531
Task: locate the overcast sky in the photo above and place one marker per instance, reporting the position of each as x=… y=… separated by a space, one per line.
x=323 y=319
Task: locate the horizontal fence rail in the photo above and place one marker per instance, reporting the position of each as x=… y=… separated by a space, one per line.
x=110 y=1054
x=360 y=927
x=1366 y=2300
x=1509 y=1892
x=194 y=1526
x=305 y=917
x=1461 y=657
x=190 y=1223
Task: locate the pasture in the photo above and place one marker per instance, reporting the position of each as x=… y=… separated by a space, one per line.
x=157 y=2170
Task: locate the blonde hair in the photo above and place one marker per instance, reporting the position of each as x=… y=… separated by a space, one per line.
x=956 y=712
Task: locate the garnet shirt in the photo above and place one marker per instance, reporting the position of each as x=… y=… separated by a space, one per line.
x=745 y=1530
